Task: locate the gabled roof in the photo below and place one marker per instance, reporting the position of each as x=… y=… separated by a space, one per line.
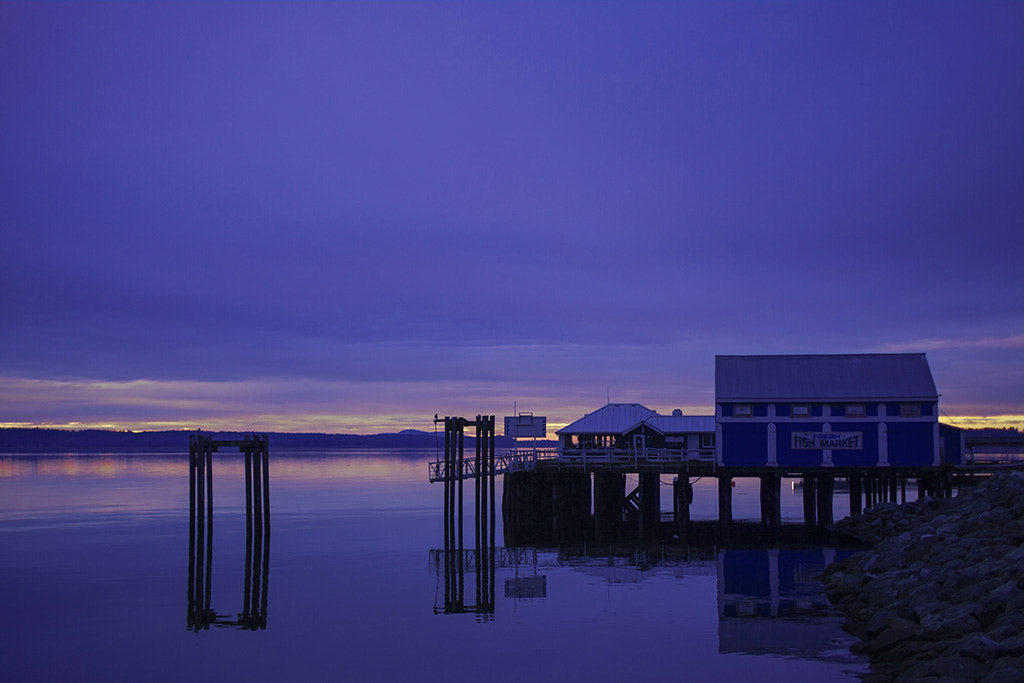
x=681 y=424
x=860 y=377
x=614 y=418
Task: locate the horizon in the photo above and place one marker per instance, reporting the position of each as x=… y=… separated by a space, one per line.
x=347 y=217
x=963 y=422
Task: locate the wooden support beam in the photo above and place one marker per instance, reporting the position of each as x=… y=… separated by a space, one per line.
x=810 y=493
x=825 y=487
x=855 y=495
x=724 y=499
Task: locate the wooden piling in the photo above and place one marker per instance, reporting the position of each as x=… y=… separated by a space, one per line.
x=771 y=504
x=825 y=485
x=682 y=496
x=649 y=517
x=855 y=495
x=724 y=499
x=809 y=493
x=609 y=499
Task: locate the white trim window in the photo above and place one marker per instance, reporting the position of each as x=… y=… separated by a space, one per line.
x=910 y=410
x=856 y=410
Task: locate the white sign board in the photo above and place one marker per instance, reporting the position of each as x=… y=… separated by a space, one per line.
x=526 y=426
x=837 y=441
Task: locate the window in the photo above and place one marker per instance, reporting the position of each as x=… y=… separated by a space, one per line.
x=800 y=411
x=707 y=440
x=743 y=411
x=858 y=410
x=910 y=410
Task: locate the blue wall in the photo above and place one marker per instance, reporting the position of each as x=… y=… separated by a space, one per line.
x=910 y=442
x=745 y=444
x=954 y=452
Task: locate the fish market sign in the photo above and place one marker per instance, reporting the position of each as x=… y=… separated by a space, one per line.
x=843 y=441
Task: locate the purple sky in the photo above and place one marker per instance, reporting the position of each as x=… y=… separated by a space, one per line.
x=348 y=216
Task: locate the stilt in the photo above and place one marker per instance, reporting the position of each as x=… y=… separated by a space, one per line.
x=855 y=495
x=810 y=489
x=825 y=486
x=609 y=498
x=771 y=493
x=682 y=496
x=724 y=499
x=650 y=504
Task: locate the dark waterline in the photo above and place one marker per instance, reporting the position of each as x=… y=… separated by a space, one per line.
x=94 y=583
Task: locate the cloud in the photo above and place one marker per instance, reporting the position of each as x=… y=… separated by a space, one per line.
x=1009 y=342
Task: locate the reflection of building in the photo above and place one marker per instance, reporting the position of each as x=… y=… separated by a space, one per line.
x=766 y=599
x=769 y=600
x=257 y=528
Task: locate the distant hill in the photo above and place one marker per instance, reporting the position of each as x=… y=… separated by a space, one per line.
x=101 y=440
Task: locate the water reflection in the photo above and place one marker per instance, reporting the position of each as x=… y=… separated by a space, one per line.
x=256 y=575
x=771 y=602
x=769 y=599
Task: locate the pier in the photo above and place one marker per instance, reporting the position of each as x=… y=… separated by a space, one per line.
x=565 y=494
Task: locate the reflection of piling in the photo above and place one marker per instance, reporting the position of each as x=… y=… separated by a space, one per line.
x=482 y=469
x=257 y=533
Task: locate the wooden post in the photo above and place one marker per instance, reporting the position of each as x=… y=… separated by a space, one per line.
x=491 y=468
x=724 y=499
x=649 y=484
x=855 y=495
x=825 y=486
x=682 y=496
x=191 y=619
x=810 y=511
x=771 y=511
x=609 y=498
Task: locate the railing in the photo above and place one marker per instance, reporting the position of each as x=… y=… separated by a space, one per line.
x=994 y=456
x=635 y=457
x=525 y=460
x=521 y=460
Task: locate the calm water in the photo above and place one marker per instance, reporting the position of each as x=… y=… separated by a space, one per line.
x=94 y=585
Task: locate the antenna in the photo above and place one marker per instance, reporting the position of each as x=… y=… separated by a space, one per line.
x=608 y=392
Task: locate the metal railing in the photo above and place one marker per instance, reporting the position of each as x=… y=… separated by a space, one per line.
x=994 y=456
x=636 y=457
x=525 y=460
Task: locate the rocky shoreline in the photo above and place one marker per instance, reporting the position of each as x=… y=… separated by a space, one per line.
x=941 y=594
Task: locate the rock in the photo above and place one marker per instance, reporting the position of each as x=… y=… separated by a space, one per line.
x=946 y=669
x=941 y=595
x=896 y=631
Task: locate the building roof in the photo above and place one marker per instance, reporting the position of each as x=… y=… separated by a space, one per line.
x=682 y=424
x=620 y=418
x=614 y=418
x=855 y=377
